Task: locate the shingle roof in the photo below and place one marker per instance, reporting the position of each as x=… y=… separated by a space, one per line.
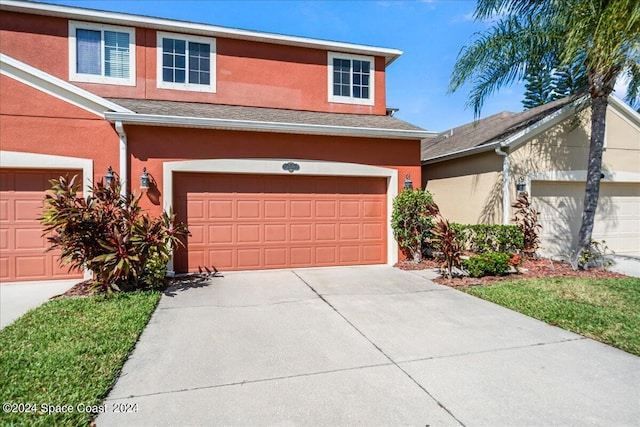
x=486 y=131
x=258 y=114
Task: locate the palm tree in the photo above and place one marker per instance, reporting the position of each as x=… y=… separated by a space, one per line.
x=603 y=36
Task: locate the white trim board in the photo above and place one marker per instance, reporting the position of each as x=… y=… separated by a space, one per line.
x=274 y=167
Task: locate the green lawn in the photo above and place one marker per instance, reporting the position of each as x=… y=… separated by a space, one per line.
x=65 y=356
x=607 y=310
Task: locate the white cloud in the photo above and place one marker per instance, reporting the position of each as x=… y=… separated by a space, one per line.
x=620 y=88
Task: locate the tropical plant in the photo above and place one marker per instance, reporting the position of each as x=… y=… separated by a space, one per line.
x=446 y=241
x=489 y=237
x=601 y=36
x=109 y=234
x=411 y=220
x=526 y=219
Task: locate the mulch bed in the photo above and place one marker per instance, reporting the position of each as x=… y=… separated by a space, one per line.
x=530 y=269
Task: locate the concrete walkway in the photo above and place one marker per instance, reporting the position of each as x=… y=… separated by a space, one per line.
x=19 y=297
x=362 y=346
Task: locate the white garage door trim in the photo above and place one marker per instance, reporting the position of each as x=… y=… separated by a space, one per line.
x=579 y=176
x=19 y=160
x=275 y=167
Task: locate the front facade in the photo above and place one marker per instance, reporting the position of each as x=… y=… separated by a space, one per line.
x=547 y=148
x=277 y=151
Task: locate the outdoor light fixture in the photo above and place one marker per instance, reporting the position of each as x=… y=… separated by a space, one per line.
x=109 y=177
x=144 y=180
x=408 y=184
x=521 y=186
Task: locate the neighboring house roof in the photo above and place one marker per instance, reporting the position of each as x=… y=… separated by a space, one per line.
x=117 y=18
x=233 y=117
x=485 y=134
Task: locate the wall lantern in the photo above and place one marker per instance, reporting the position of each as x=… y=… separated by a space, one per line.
x=144 y=180
x=109 y=177
x=521 y=186
x=408 y=184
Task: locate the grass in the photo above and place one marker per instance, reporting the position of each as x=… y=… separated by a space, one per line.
x=607 y=310
x=68 y=352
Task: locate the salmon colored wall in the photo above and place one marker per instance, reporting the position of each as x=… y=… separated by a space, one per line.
x=150 y=147
x=34 y=122
x=248 y=73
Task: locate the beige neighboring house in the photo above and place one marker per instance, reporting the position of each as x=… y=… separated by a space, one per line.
x=473 y=170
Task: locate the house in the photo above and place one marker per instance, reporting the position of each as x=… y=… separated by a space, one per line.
x=473 y=171
x=276 y=150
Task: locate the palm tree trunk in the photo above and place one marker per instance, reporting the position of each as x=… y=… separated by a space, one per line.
x=594 y=175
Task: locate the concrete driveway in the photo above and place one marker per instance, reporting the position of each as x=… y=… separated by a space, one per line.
x=362 y=346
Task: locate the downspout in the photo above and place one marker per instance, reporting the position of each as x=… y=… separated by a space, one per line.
x=124 y=166
x=506 y=212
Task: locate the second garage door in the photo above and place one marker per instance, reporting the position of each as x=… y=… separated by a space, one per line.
x=246 y=222
x=617 y=219
x=23 y=253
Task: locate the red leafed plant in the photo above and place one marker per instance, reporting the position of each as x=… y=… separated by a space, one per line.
x=109 y=234
x=526 y=218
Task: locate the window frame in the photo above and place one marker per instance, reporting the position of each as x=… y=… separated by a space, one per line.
x=101 y=78
x=350 y=99
x=192 y=87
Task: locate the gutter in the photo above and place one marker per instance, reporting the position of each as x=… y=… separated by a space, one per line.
x=506 y=166
x=262 y=126
x=124 y=164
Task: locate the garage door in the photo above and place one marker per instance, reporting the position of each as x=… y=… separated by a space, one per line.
x=22 y=247
x=617 y=218
x=245 y=222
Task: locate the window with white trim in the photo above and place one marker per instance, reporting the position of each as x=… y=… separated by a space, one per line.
x=101 y=54
x=351 y=79
x=186 y=62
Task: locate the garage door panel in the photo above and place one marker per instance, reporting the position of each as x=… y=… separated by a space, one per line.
x=219 y=209
x=24 y=255
x=275 y=233
x=301 y=257
x=275 y=209
x=301 y=209
x=306 y=222
x=617 y=218
x=326 y=232
x=350 y=231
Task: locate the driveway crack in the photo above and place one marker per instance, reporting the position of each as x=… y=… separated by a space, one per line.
x=381 y=351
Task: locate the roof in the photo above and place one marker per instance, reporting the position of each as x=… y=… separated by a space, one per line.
x=488 y=132
x=190 y=114
x=116 y=18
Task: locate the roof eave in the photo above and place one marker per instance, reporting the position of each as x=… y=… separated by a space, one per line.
x=516 y=139
x=118 y=18
x=262 y=126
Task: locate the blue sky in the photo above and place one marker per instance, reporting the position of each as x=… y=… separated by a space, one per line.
x=429 y=32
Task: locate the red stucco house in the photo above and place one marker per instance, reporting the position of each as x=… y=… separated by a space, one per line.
x=277 y=151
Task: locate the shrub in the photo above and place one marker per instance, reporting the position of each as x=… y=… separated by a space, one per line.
x=446 y=242
x=109 y=234
x=480 y=238
x=526 y=219
x=487 y=264
x=412 y=220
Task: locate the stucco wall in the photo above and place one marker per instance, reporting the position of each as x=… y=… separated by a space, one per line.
x=468 y=190
x=150 y=147
x=248 y=73
x=34 y=122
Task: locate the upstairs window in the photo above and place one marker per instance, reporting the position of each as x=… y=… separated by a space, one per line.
x=351 y=79
x=101 y=54
x=186 y=62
